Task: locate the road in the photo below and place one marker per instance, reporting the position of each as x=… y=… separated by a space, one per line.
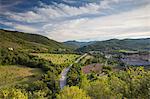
x=65 y=71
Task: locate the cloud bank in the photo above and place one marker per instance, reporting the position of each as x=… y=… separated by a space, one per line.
x=97 y=20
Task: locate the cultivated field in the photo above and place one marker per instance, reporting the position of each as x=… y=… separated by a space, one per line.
x=86 y=58
x=59 y=58
x=10 y=75
x=97 y=68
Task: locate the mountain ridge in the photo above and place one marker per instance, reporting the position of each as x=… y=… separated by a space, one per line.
x=116 y=44
x=77 y=44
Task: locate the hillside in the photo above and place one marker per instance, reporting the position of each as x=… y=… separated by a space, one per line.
x=115 y=44
x=76 y=44
x=29 y=42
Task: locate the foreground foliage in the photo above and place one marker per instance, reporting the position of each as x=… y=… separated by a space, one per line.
x=132 y=83
x=46 y=87
x=72 y=93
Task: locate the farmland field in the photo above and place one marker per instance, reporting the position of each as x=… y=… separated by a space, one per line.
x=13 y=74
x=58 y=58
x=96 y=67
x=86 y=58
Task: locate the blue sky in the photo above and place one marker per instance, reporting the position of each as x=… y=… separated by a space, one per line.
x=82 y=20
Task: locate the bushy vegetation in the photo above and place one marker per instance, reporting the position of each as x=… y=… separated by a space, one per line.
x=46 y=86
x=96 y=58
x=132 y=83
x=72 y=92
x=74 y=74
x=13 y=93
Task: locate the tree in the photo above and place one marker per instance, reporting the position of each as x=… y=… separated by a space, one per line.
x=84 y=83
x=100 y=89
x=118 y=87
x=144 y=90
x=72 y=92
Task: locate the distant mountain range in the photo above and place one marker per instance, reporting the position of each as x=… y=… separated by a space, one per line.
x=75 y=44
x=29 y=42
x=115 y=44
x=112 y=44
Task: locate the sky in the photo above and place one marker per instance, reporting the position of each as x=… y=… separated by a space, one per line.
x=81 y=20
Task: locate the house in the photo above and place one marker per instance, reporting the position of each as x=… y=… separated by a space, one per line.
x=11 y=49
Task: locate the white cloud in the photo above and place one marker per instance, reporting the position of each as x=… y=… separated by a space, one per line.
x=124 y=25
x=21 y=27
x=25 y=28
x=129 y=24
x=51 y=12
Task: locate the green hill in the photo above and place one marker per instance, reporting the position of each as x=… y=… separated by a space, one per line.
x=77 y=44
x=115 y=44
x=29 y=42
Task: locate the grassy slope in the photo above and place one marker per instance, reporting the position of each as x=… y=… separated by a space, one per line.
x=28 y=41
x=12 y=74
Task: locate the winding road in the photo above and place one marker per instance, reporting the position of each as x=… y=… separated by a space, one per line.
x=65 y=71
